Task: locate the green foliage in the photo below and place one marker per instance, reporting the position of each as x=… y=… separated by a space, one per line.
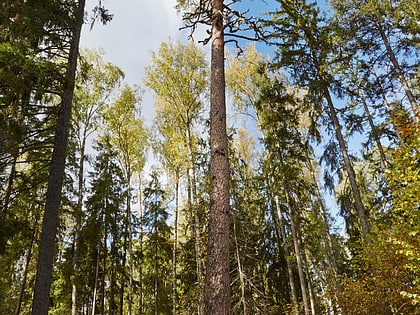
x=157 y=250
x=382 y=287
x=126 y=128
x=244 y=77
x=404 y=181
x=31 y=36
x=102 y=234
x=389 y=279
x=178 y=75
x=251 y=264
x=96 y=84
x=342 y=53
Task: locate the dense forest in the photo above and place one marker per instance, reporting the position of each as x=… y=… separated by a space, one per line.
x=280 y=173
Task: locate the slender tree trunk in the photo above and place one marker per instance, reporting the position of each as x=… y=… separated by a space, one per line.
x=8 y=193
x=26 y=270
x=95 y=288
x=398 y=70
x=311 y=295
x=324 y=219
x=217 y=284
x=381 y=89
x=77 y=228
x=384 y=98
x=287 y=254
x=298 y=253
x=127 y=246
x=140 y=312
x=193 y=230
x=21 y=114
x=112 y=308
x=314 y=308
x=371 y=124
x=123 y=266
x=130 y=246
x=56 y=176
x=242 y=284
x=174 y=249
x=330 y=264
x=364 y=222
x=113 y=263
x=197 y=234
x=156 y=268
x=103 y=277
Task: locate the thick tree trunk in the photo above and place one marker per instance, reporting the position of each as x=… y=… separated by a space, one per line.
x=217 y=284
x=55 y=180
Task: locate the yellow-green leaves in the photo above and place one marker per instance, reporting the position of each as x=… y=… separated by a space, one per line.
x=178 y=75
x=243 y=79
x=126 y=129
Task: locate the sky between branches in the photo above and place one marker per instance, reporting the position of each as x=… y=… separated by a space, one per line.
x=138 y=27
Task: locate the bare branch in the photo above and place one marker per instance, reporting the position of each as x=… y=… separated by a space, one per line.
x=200 y=11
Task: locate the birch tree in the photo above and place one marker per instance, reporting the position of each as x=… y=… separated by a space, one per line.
x=127 y=132
x=178 y=75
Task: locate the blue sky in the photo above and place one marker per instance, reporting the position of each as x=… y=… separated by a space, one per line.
x=139 y=26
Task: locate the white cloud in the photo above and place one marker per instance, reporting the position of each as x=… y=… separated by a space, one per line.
x=138 y=27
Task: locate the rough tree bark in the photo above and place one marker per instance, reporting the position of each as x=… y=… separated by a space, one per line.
x=56 y=176
x=217 y=284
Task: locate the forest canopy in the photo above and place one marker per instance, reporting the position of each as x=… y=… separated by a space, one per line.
x=275 y=170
